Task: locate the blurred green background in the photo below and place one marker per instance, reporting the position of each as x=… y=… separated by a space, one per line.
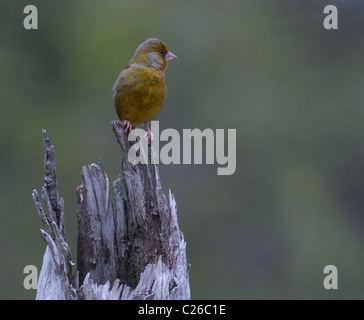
x=293 y=91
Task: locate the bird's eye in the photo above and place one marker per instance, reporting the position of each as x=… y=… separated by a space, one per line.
x=162 y=52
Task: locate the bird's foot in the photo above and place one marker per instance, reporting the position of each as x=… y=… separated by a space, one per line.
x=127 y=125
x=149 y=134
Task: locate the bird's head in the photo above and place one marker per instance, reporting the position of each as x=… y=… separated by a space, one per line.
x=153 y=53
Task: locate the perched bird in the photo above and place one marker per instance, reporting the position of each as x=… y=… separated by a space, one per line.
x=140 y=89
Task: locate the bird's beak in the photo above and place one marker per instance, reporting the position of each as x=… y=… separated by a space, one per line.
x=170 y=56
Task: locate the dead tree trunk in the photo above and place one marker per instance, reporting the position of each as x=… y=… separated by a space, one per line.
x=129 y=247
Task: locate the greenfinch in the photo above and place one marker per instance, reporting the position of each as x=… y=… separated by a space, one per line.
x=140 y=88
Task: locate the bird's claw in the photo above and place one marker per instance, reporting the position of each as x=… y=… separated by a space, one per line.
x=150 y=136
x=127 y=125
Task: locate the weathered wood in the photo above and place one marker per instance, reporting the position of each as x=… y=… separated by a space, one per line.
x=151 y=226
x=128 y=248
x=55 y=278
x=96 y=234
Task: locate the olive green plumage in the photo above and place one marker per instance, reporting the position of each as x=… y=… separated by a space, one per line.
x=140 y=89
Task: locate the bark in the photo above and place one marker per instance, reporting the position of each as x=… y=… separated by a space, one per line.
x=129 y=244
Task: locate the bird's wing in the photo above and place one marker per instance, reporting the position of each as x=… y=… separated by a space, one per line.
x=126 y=80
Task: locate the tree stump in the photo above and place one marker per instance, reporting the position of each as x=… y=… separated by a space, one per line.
x=129 y=246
